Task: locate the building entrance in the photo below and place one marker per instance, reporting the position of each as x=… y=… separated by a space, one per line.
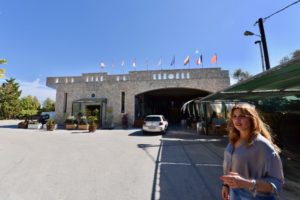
x=94 y=110
x=167 y=102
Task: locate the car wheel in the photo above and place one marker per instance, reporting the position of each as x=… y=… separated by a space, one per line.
x=164 y=131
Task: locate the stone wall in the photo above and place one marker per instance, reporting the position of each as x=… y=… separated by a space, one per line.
x=134 y=83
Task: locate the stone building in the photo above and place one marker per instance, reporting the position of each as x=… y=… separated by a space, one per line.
x=137 y=93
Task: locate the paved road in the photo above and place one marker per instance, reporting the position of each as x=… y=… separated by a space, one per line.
x=108 y=164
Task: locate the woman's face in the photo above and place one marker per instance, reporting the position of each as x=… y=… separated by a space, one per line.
x=241 y=121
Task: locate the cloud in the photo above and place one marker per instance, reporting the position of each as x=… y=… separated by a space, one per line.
x=38 y=89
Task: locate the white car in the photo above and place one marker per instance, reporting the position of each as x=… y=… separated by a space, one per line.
x=155 y=123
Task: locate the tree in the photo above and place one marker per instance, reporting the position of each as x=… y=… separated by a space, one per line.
x=295 y=54
x=29 y=106
x=48 y=105
x=9 y=99
x=240 y=75
x=3 y=61
x=284 y=60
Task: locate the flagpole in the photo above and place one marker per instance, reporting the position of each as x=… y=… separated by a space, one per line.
x=174 y=62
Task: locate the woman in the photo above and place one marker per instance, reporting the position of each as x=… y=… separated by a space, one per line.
x=252 y=166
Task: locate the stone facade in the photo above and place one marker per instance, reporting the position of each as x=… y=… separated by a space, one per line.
x=107 y=89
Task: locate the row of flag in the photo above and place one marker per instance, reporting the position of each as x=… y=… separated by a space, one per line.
x=187 y=60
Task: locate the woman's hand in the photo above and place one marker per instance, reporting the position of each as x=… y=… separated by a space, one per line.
x=234 y=180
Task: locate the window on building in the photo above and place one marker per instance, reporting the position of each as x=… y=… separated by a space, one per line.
x=165 y=76
x=182 y=75
x=65 y=102
x=123 y=102
x=188 y=75
x=159 y=76
x=154 y=76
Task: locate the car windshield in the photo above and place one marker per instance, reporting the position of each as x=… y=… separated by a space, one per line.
x=153 y=119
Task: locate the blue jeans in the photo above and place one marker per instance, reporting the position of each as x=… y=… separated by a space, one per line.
x=241 y=194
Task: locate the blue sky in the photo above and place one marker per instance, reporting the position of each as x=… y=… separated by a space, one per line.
x=42 y=38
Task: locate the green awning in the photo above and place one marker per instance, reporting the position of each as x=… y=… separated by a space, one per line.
x=278 y=81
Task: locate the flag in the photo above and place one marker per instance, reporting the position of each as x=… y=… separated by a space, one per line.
x=113 y=64
x=102 y=65
x=122 y=63
x=134 y=63
x=159 y=62
x=199 y=60
x=214 y=59
x=173 y=61
x=186 y=60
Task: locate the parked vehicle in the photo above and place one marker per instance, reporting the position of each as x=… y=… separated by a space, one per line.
x=155 y=123
x=43 y=118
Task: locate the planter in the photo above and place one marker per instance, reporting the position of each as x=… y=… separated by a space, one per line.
x=83 y=127
x=92 y=128
x=23 y=125
x=34 y=126
x=71 y=126
x=50 y=127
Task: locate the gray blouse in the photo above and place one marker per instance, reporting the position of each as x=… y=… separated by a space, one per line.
x=257 y=161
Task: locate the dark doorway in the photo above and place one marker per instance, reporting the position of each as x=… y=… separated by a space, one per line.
x=94 y=110
x=167 y=102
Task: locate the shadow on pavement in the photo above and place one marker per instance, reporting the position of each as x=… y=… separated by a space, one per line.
x=188 y=166
x=14 y=126
x=141 y=134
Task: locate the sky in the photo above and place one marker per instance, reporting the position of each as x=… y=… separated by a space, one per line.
x=43 y=38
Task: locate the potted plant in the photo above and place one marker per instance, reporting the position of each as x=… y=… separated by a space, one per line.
x=125 y=121
x=70 y=123
x=92 y=123
x=23 y=124
x=50 y=124
x=83 y=124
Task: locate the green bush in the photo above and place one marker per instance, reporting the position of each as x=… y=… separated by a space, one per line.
x=92 y=120
x=50 y=122
x=71 y=120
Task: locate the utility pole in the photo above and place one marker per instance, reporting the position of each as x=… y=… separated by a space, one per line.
x=264 y=43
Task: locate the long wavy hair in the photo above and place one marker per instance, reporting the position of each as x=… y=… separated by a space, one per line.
x=257 y=125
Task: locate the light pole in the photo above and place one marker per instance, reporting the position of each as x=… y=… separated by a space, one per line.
x=261 y=54
x=263 y=41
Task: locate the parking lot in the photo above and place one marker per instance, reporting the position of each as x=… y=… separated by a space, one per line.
x=114 y=164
